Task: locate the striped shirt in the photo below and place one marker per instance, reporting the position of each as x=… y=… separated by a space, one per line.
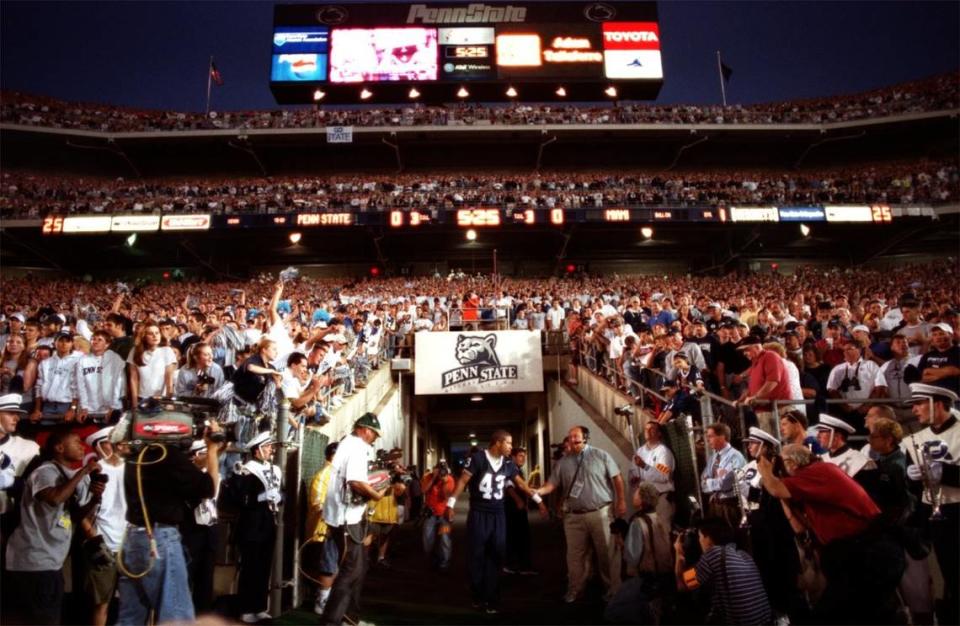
x=741 y=598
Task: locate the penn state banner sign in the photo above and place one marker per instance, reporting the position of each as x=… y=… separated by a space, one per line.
x=478 y=362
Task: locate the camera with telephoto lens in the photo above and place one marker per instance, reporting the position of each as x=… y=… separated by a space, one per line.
x=443 y=468
x=99 y=477
x=850 y=383
x=204 y=378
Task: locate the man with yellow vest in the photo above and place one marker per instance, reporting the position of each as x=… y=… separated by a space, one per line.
x=384 y=517
x=327 y=553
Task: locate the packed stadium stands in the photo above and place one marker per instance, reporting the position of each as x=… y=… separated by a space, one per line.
x=939 y=93
x=31 y=193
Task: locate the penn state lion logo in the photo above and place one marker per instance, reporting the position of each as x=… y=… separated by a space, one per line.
x=477 y=350
x=479 y=364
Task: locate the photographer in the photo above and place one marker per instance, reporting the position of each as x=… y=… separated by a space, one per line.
x=823 y=503
x=201 y=377
x=55 y=497
x=104 y=530
x=345 y=513
x=385 y=515
x=201 y=538
x=736 y=591
x=153 y=569
x=437 y=541
x=647 y=559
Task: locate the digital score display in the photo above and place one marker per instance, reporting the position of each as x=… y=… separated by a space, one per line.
x=382 y=47
x=475 y=217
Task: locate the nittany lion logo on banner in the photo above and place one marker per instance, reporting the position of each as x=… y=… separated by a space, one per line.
x=479 y=362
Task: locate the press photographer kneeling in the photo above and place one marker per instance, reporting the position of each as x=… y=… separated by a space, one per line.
x=158 y=479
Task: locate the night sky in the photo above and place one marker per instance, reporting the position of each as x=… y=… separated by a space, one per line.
x=155 y=54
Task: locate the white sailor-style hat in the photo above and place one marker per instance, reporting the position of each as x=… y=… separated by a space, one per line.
x=923 y=391
x=829 y=422
x=198 y=445
x=263 y=438
x=10 y=403
x=761 y=436
x=96 y=437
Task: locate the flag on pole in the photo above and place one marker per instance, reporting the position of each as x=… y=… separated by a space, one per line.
x=725 y=70
x=215 y=74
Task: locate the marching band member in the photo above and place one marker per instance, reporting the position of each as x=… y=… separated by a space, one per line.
x=257 y=527
x=933 y=451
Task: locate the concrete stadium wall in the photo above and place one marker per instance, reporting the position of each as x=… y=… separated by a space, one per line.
x=567 y=411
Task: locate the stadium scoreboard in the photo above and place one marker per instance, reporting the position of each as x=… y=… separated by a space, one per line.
x=465 y=51
x=477 y=217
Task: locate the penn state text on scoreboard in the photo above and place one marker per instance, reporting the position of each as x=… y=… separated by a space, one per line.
x=476 y=51
x=474 y=217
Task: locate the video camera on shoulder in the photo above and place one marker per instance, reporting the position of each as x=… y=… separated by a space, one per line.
x=169 y=421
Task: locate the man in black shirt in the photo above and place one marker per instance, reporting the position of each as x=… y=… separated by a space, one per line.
x=152 y=565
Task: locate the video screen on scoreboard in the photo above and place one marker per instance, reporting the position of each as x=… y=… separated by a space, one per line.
x=299 y=54
x=383 y=54
x=549 y=50
x=466 y=53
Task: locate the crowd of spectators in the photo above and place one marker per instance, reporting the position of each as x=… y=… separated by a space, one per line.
x=34 y=194
x=938 y=93
x=299 y=335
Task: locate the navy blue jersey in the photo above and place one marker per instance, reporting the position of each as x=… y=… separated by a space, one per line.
x=488 y=486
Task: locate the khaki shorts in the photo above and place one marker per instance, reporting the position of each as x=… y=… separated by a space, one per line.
x=381 y=530
x=100 y=584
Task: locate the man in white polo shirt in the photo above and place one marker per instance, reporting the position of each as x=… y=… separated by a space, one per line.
x=655 y=464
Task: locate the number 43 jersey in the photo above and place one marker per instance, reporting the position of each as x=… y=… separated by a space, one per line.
x=489 y=479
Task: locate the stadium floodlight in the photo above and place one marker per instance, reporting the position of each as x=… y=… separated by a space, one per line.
x=463 y=93
x=131 y=240
x=511 y=92
x=647 y=232
x=413 y=94
x=365 y=94
x=295 y=237
x=471 y=235
x=561 y=92
x=804 y=230
x=318 y=95
x=611 y=91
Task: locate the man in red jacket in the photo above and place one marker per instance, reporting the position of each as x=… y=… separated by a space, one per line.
x=819 y=498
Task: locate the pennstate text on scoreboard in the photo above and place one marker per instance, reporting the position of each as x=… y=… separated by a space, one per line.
x=479 y=45
x=475 y=217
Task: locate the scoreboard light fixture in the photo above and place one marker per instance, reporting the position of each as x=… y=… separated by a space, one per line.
x=511 y=92
x=647 y=232
x=471 y=235
x=561 y=92
x=365 y=94
x=611 y=91
x=318 y=95
x=804 y=230
x=463 y=93
x=413 y=94
x=295 y=237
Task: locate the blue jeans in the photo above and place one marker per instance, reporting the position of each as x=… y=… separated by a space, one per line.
x=165 y=589
x=53 y=412
x=436 y=540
